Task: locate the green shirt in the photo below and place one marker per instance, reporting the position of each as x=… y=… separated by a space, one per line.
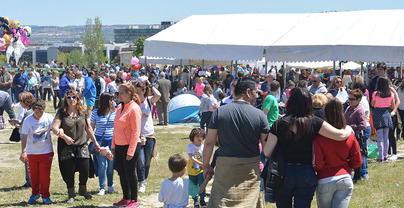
x=271 y=104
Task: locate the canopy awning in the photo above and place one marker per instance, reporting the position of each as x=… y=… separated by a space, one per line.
x=374 y=35
x=220 y=37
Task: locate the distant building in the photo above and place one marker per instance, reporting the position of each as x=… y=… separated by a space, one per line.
x=133 y=32
x=44 y=54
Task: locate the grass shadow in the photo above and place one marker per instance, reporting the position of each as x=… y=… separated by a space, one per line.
x=20 y=204
x=14 y=188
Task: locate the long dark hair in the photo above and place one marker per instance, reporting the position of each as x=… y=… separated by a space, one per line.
x=301 y=111
x=334 y=114
x=383 y=87
x=104 y=106
x=144 y=86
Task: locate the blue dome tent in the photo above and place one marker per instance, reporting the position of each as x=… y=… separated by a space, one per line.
x=183 y=109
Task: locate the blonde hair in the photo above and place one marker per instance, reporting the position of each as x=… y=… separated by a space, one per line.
x=334 y=81
x=357 y=79
x=329 y=96
x=319 y=100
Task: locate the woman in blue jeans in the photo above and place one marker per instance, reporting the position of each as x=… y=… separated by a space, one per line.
x=102 y=119
x=294 y=133
x=147 y=139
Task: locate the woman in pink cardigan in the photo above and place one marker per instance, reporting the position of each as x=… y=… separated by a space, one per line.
x=124 y=143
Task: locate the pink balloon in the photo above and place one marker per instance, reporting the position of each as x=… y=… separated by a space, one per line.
x=134 y=60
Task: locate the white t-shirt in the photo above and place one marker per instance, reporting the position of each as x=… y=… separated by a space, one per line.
x=39 y=138
x=112 y=87
x=147 y=127
x=21 y=111
x=174 y=194
x=196 y=152
x=401 y=96
x=79 y=84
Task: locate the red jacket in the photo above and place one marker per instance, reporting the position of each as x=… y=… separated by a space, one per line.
x=332 y=158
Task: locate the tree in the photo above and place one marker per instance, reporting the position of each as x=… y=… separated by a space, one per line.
x=139 y=43
x=93 y=41
x=62 y=57
x=76 y=57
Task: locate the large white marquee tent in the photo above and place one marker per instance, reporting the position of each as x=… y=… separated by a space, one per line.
x=374 y=35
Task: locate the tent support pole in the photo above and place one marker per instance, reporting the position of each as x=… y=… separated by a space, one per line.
x=203 y=64
x=401 y=70
x=266 y=66
x=236 y=69
x=189 y=78
x=361 y=72
x=231 y=67
x=284 y=75
x=333 y=67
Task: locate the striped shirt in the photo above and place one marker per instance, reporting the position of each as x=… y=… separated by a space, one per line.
x=103 y=124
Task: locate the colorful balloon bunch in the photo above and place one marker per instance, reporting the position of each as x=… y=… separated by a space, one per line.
x=14 y=38
x=135 y=63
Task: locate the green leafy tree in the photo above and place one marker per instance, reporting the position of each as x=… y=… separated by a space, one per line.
x=62 y=57
x=76 y=57
x=93 y=41
x=139 y=43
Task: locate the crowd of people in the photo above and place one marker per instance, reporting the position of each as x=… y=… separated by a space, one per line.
x=318 y=122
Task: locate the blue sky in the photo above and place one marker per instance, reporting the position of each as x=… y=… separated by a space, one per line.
x=75 y=12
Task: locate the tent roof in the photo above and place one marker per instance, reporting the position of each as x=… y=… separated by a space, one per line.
x=373 y=35
x=220 y=37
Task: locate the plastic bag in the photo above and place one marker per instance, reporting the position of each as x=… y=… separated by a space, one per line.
x=373 y=151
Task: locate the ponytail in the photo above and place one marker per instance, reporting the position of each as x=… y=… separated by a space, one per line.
x=129 y=88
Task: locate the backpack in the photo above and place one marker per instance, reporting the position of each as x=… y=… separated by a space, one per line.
x=98 y=87
x=273 y=173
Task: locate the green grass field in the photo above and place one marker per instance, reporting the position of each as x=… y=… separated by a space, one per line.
x=385 y=188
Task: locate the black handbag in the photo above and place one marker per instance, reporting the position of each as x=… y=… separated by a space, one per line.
x=15 y=135
x=362 y=145
x=274 y=171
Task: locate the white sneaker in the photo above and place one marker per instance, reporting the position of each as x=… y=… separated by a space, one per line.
x=142 y=187
x=393 y=157
x=102 y=192
x=111 y=189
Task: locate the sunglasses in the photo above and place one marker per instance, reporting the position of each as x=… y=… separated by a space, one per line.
x=314 y=81
x=71 y=97
x=338 y=82
x=351 y=99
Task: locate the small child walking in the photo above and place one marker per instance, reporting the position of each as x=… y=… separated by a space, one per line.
x=174 y=191
x=194 y=166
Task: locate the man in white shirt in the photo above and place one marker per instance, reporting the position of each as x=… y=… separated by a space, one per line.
x=112 y=87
